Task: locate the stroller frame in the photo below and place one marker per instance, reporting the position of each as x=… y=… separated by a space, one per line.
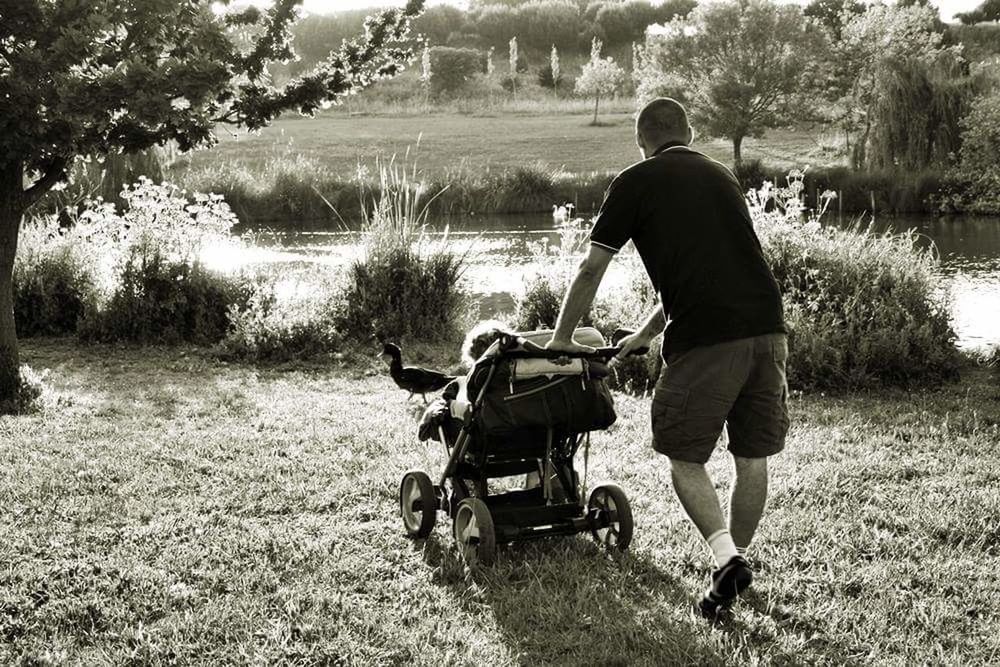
x=481 y=519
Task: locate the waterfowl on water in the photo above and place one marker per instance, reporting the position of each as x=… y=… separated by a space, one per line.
x=413 y=379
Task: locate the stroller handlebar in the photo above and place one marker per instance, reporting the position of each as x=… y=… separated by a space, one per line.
x=534 y=351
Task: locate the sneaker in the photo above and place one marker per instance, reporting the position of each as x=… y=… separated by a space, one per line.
x=727 y=583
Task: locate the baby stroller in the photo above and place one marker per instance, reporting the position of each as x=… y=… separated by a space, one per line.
x=522 y=410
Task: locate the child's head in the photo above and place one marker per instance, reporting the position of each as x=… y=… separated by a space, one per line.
x=479 y=339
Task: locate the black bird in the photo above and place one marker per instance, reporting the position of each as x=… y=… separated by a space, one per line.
x=412 y=379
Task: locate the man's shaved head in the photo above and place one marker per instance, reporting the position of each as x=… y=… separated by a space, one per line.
x=661 y=121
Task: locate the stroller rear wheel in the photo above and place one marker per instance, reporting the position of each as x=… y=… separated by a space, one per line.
x=611 y=517
x=474 y=532
x=417 y=503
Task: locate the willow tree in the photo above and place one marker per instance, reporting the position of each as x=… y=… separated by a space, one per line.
x=97 y=77
x=915 y=118
x=883 y=69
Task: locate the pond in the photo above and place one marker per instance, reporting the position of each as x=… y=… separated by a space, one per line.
x=500 y=255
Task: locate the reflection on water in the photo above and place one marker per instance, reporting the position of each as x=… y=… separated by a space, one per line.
x=500 y=254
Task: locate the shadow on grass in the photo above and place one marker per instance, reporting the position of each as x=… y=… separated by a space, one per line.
x=565 y=601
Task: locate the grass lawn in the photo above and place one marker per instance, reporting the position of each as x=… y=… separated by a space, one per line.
x=453 y=141
x=170 y=507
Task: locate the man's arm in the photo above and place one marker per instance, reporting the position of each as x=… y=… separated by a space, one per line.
x=653 y=325
x=579 y=298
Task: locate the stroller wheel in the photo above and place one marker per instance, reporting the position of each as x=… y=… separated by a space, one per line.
x=417 y=503
x=474 y=532
x=611 y=522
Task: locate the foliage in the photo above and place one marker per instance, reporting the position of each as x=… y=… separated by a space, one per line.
x=863 y=309
x=889 y=42
x=978 y=156
x=601 y=77
x=267 y=328
x=154 y=285
x=622 y=23
x=832 y=13
x=988 y=10
x=161 y=299
x=915 y=118
x=453 y=68
x=55 y=278
x=168 y=71
x=745 y=65
x=405 y=285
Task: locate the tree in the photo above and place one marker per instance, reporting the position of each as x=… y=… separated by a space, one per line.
x=452 y=68
x=878 y=49
x=745 y=65
x=989 y=10
x=831 y=13
x=104 y=77
x=600 y=77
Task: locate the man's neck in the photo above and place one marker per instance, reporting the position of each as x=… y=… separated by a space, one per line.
x=670 y=144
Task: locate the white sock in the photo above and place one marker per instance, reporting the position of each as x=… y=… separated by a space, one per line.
x=722 y=546
x=742 y=551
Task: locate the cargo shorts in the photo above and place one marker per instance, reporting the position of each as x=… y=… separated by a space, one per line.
x=740 y=384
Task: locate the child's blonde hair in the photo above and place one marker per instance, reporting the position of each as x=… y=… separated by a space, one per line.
x=479 y=339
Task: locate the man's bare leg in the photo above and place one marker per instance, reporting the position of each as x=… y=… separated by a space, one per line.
x=697 y=494
x=748 y=499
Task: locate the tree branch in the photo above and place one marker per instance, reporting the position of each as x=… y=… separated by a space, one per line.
x=55 y=173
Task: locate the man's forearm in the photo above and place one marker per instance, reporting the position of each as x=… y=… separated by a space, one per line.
x=654 y=323
x=578 y=300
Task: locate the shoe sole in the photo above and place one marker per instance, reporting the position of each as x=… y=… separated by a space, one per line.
x=710 y=609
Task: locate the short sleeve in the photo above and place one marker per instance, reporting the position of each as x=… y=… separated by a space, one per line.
x=617 y=218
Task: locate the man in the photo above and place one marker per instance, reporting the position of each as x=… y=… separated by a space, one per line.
x=725 y=345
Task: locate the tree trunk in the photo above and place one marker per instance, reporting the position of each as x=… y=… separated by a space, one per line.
x=737 y=152
x=11 y=211
x=597 y=100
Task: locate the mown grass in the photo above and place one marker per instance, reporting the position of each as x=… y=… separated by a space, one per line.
x=173 y=508
x=480 y=142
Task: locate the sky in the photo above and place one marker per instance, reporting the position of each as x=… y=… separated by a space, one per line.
x=947 y=8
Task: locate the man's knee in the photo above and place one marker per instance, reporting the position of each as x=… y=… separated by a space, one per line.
x=750 y=465
x=677 y=466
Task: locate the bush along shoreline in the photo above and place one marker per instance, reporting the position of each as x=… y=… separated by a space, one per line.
x=296 y=193
x=863 y=309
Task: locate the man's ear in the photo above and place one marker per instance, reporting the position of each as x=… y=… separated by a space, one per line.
x=690 y=135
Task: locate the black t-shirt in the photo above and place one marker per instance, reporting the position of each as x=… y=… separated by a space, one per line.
x=687 y=217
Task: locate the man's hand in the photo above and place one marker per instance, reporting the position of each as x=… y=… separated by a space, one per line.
x=568 y=346
x=630 y=344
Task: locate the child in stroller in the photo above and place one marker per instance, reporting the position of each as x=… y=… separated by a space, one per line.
x=521 y=409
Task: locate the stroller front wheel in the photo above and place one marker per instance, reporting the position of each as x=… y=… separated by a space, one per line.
x=417 y=503
x=474 y=532
x=611 y=517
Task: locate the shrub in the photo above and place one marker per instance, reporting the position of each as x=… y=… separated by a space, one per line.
x=453 y=68
x=863 y=309
x=54 y=279
x=978 y=155
x=270 y=329
x=159 y=299
x=157 y=289
x=405 y=285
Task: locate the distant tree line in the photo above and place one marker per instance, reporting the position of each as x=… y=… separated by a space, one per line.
x=539 y=25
